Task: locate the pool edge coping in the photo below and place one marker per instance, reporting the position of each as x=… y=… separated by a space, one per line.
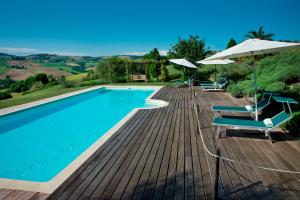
x=50 y=186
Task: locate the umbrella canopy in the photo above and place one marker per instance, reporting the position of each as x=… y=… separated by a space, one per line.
x=252 y=47
x=215 y=62
x=183 y=62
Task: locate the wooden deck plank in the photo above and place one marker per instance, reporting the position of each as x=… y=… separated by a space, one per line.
x=121 y=181
x=159 y=154
x=127 y=194
x=111 y=168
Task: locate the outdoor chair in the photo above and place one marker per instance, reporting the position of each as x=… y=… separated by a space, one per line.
x=215 y=87
x=263 y=103
x=266 y=125
x=209 y=83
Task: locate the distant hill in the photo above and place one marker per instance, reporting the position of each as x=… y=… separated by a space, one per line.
x=20 y=67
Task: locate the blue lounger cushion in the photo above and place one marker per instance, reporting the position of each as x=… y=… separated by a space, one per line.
x=229 y=109
x=276 y=120
x=238 y=122
x=260 y=105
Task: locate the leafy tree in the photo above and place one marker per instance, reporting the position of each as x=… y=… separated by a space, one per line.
x=154 y=70
x=231 y=43
x=5 y=95
x=19 y=86
x=63 y=82
x=42 y=78
x=163 y=73
x=112 y=69
x=260 y=34
x=5 y=83
x=192 y=49
x=152 y=55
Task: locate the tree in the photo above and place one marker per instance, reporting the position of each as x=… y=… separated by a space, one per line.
x=152 y=55
x=163 y=73
x=42 y=78
x=231 y=43
x=260 y=34
x=153 y=70
x=192 y=49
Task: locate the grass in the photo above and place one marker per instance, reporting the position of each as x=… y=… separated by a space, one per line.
x=34 y=96
x=76 y=78
x=58 y=65
x=4 y=69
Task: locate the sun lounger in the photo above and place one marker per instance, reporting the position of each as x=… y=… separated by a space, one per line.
x=266 y=125
x=216 y=87
x=208 y=83
x=264 y=102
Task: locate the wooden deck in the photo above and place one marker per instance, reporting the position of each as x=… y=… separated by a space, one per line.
x=159 y=154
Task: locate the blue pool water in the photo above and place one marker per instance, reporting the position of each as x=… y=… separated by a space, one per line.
x=37 y=143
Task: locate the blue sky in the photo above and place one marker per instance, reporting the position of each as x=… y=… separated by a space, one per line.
x=110 y=27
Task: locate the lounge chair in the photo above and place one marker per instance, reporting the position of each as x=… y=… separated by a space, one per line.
x=264 y=102
x=266 y=125
x=215 y=87
x=209 y=83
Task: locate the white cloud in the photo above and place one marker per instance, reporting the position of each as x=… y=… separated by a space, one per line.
x=163 y=52
x=67 y=53
x=28 y=51
x=140 y=53
x=135 y=53
x=19 y=51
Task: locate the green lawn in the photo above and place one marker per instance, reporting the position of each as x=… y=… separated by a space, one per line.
x=34 y=96
x=77 y=77
x=58 y=65
x=3 y=69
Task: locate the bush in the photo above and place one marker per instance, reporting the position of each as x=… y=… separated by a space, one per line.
x=278 y=87
x=19 y=86
x=174 y=76
x=63 y=82
x=5 y=83
x=5 y=95
x=41 y=78
x=163 y=74
x=91 y=83
x=235 y=91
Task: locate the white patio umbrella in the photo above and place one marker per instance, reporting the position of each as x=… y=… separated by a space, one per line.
x=215 y=62
x=185 y=63
x=252 y=47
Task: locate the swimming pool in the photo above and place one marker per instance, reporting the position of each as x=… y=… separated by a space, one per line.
x=37 y=143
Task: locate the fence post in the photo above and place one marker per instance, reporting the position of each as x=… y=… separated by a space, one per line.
x=216 y=188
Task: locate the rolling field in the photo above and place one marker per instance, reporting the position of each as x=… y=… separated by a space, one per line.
x=30 y=68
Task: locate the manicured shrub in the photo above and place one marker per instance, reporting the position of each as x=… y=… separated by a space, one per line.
x=5 y=95
x=163 y=74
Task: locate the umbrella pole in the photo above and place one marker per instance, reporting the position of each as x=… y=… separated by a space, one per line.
x=254 y=84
